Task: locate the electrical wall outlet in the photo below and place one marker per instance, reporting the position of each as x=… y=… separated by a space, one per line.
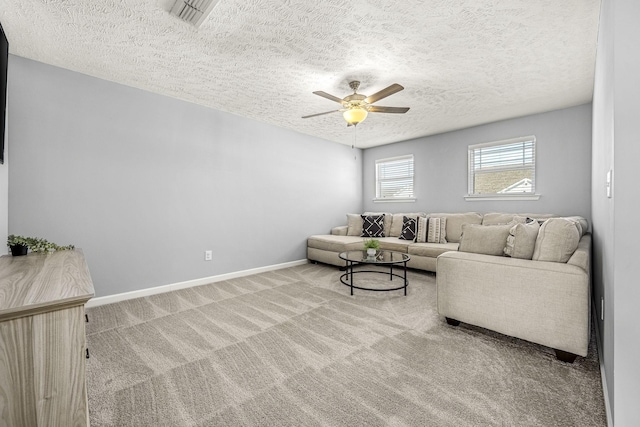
x=208 y=255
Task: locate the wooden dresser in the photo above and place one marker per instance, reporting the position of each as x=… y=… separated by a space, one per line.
x=42 y=339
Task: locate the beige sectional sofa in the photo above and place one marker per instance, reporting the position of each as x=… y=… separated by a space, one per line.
x=325 y=248
x=540 y=294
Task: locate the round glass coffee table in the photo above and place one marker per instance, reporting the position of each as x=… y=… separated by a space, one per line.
x=382 y=258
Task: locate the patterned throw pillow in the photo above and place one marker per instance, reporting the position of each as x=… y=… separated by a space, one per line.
x=421 y=232
x=437 y=230
x=409 y=226
x=372 y=225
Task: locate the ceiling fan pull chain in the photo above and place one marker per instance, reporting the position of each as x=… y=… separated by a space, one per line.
x=355 y=141
x=355 y=133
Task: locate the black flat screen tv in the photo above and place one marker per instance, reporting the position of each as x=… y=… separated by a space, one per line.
x=4 y=61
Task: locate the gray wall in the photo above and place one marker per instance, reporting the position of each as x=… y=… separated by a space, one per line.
x=627 y=205
x=563 y=166
x=144 y=184
x=4 y=191
x=602 y=206
x=616 y=109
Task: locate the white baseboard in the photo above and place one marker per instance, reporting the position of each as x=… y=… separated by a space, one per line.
x=110 y=299
x=603 y=375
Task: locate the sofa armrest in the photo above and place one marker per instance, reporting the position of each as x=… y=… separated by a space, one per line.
x=339 y=231
x=582 y=256
x=543 y=302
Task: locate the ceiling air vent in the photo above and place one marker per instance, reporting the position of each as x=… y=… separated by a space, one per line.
x=193 y=11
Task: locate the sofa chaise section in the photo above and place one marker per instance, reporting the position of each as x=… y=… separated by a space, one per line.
x=325 y=248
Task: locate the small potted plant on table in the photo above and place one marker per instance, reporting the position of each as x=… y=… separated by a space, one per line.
x=372 y=246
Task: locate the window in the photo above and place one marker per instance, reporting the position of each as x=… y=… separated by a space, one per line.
x=503 y=169
x=394 y=179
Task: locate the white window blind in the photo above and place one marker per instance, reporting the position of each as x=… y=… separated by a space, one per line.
x=394 y=178
x=505 y=168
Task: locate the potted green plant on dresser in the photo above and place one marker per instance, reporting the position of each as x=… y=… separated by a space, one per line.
x=20 y=245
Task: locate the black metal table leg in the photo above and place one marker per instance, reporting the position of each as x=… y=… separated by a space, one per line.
x=352 y=258
x=405 y=278
x=351 y=275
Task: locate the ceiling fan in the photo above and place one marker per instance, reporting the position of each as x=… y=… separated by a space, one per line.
x=355 y=107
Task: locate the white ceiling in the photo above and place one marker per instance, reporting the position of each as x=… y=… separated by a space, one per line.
x=462 y=62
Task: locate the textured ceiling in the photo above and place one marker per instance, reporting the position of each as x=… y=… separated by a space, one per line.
x=462 y=62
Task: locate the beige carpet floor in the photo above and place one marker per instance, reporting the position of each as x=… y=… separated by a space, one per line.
x=293 y=348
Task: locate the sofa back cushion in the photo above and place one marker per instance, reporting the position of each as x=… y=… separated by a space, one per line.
x=538 y=216
x=557 y=240
x=354 y=225
x=455 y=222
x=484 y=239
x=495 y=218
x=584 y=224
x=521 y=241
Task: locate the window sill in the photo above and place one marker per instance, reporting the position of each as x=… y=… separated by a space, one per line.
x=403 y=200
x=486 y=197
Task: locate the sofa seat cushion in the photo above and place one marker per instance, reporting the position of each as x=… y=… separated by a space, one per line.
x=432 y=250
x=336 y=243
x=394 y=244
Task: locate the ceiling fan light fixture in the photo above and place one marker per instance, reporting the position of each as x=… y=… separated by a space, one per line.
x=355 y=115
x=356 y=107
